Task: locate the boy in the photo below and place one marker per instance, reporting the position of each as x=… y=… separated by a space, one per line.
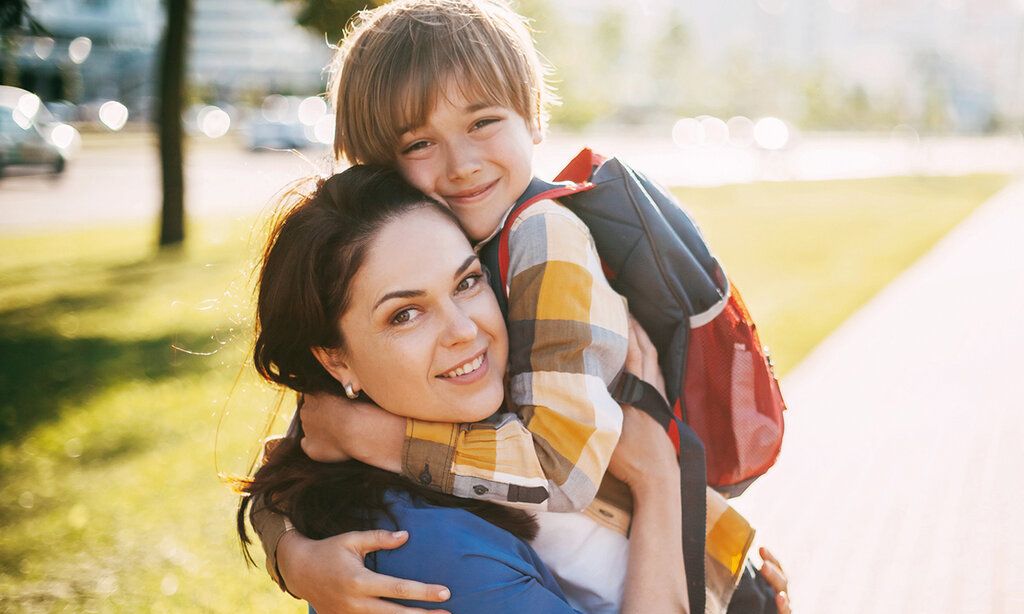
x=451 y=92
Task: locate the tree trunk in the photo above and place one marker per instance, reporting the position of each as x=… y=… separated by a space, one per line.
x=172 y=93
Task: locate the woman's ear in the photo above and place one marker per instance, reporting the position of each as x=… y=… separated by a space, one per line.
x=334 y=362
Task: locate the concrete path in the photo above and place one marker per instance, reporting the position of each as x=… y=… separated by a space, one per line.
x=901 y=483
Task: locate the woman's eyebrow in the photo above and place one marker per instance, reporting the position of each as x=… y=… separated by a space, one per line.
x=398 y=294
x=468 y=262
x=465 y=265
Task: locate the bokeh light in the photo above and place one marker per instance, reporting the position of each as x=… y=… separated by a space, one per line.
x=65 y=137
x=716 y=133
x=323 y=130
x=688 y=132
x=311 y=110
x=28 y=105
x=741 y=131
x=43 y=47
x=79 y=49
x=213 y=121
x=275 y=108
x=113 y=114
x=771 y=133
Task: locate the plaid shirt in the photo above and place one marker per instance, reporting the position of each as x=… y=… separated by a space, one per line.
x=567 y=342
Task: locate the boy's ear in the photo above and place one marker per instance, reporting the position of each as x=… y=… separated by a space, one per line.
x=537 y=132
x=334 y=362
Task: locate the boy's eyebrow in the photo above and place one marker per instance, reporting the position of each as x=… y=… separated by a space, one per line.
x=477 y=106
x=414 y=293
x=472 y=108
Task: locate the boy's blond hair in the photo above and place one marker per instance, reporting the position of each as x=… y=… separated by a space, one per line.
x=396 y=60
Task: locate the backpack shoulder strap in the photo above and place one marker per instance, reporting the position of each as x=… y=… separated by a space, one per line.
x=495 y=255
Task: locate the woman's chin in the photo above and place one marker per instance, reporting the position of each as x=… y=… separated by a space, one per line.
x=475 y=409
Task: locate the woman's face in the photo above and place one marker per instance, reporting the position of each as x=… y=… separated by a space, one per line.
x=424 y=336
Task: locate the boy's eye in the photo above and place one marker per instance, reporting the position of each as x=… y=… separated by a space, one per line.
x=416 y=146
x=483 y=123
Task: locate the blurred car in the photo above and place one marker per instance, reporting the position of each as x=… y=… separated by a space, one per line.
x=288 y=134
x=277 y=125
x=30 y=135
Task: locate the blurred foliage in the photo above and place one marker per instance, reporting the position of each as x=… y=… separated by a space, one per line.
x=329 y=17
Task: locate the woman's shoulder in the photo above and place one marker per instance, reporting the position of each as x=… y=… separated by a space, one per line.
x=448 y=531
x=479 y=562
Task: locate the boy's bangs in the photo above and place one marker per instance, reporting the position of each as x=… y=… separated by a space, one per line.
x=428 y=76
x=423 y=89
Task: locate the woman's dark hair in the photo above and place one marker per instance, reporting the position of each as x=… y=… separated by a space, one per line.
x=312 y=255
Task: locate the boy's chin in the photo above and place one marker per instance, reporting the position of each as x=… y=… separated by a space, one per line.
x=479 y=227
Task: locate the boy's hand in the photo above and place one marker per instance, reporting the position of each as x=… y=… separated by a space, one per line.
x=338 y=429
x=331 y=576
x=644 y=456
x=642 y=357
x=772 y=572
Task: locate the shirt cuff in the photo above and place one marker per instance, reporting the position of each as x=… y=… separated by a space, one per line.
x=271 y=527
x=428 y=452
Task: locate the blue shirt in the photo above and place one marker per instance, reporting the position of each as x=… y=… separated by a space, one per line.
x=486 y=568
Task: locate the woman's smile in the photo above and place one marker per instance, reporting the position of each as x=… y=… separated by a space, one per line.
x=469 y=372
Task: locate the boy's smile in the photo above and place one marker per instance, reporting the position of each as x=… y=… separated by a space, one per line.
x=476 y=158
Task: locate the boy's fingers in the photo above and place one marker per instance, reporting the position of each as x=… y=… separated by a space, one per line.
x=782 y=603
x=774 y=576
x=634 y=356
x=767 y=555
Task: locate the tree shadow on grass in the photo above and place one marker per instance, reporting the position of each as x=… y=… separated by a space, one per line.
x=40 y=372
x=45 y=367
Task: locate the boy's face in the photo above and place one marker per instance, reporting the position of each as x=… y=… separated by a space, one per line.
x=477 y=159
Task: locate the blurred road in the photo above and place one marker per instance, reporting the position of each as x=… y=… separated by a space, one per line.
x=899 y=486
x=119 y=181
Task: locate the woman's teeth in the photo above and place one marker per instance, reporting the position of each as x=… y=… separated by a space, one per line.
x=469 y=367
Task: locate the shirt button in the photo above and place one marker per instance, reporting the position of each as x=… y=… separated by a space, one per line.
x=480 y=489
x=425 y=478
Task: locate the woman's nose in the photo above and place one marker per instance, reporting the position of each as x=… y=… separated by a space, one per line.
x=460 y=326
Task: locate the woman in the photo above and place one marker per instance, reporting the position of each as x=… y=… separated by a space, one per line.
x=334 y=316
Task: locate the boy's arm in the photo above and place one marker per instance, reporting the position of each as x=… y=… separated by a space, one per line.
x=567 y=341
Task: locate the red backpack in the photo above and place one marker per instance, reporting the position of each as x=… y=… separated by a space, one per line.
x=718 y=376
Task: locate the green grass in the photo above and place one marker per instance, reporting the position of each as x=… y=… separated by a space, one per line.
x=110 y=499
x=806 y=255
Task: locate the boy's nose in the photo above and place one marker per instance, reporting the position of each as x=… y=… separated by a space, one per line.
x=463 y=162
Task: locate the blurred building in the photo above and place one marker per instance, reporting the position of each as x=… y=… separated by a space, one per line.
x=236 y=47
x=243 y=46
x=118 y=64
x=941 y=64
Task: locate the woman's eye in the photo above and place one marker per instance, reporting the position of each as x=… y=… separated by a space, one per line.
x=404 y=316
x=469 y=282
